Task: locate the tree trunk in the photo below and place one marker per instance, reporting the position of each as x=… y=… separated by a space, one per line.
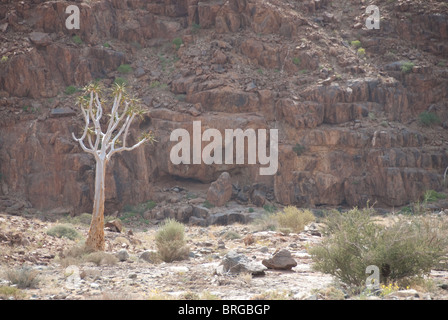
x=95 y=239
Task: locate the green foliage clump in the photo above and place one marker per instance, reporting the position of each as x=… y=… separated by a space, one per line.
x=356 y=44
x=296 y=61
x=428 y=119
x=4 y=59
x=207 y=204
x=120 y=81
x=407 y=67
x=177 y=42
x=65 y=231
x=353 y=240
x=124 y=68
x=149 y=205
x=432 y=195
x=70 y=90
x=170 y=241
x=269 y=208
x=361 y=52
x=77 y=40
x=298 y=149
x=195 y=27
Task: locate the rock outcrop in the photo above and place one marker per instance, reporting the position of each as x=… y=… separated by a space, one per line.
x=348 y=127
x=220 y=191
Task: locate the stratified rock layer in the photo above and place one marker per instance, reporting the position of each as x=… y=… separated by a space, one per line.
x=349 y=131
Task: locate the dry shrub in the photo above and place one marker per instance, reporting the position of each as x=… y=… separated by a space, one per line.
x=294 y=219
x=79 y=254
x=101 y=258
x=23 y=277
x=170 y=241
x=290 y=219
x=409 y=248
x=7 y=292
x=65 y=231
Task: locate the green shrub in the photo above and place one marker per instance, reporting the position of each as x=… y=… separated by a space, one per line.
x=170 y=241
x=356 y=44
x=106 y=45
x=361 y=52
x=77 y=40
x=296 y=61
x=120 y=81
x=177 y=42
x=4 y=59
x=428 y=119
x=251 y=210
x=269 y=208
x=208 y=204
x=124 y=68
x=70 y=90
x=23 y=277
x=298 y=149
x=136 y=45
x=353 y=240
x=65 y=231
x=407 y=67
x=180 y=97
x=150 y=204
x=154 y=84
x=195 y=27
x=293 y=218
x=431 y=195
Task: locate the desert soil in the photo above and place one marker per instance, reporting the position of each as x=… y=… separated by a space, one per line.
x=25 y=242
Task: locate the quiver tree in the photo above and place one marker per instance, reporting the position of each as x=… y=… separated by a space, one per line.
x=104 y=144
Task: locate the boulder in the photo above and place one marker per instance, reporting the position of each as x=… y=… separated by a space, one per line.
x=148 y=256
x=220 y=191
x=280 y=260
x=235 y=263
x=114 y=225
x=122 y=255
x=40 y=39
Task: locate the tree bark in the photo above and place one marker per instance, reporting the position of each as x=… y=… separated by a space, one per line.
x=95 y=239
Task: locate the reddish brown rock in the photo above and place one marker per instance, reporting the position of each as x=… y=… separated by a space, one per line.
x=220 y=191
x=280 y=260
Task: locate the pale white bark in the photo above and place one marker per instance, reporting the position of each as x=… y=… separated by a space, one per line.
x=103 y=145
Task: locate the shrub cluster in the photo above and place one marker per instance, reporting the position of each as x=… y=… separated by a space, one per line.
x=428 y=119
x=354 y=240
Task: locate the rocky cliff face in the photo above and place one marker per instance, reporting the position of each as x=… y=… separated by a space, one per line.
x=348 y=121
